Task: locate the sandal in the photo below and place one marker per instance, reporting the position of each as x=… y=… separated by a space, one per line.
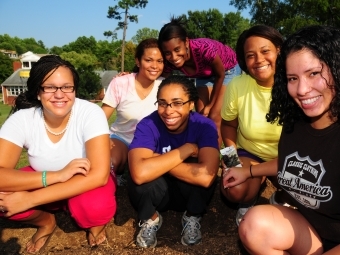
x=46 y=242
x=89 y=233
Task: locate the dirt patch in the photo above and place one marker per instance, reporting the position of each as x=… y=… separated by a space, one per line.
x=218 y=228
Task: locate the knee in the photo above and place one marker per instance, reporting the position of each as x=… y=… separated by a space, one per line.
x=252 y=226
x=235 y=194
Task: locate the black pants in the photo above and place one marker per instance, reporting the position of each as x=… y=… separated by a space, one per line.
x=168 y=193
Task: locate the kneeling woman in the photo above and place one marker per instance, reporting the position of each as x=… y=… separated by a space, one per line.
x=173 y=161
x=69 y=154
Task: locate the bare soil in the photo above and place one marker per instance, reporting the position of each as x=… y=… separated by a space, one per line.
x=218 y=229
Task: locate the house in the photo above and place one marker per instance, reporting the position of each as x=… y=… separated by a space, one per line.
x=17 y=82
x=105 y=79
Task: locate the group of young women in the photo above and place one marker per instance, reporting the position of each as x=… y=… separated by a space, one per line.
x=281 y=114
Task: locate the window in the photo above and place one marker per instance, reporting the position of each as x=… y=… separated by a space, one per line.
x=16 y=90
x=25 y=64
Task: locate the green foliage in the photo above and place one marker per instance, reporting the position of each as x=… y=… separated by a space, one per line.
x=83 y=44
x=22 y=45
x=213 y=24
x=6 y=67
x=4 y=111
x=80 y=59
x=89 y=84
x=289 y=15
x=144 y=33
x=116 y=13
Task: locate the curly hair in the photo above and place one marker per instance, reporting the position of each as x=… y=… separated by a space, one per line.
x=39 y=73
x=187 y=85
x=324 y=43
x=173 y=29
x=263 y=31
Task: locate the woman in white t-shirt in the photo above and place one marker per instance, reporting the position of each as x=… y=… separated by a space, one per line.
x=132 y=96
x=68 y=150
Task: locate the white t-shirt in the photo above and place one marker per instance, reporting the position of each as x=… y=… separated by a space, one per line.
x=122 y=95
x=25 y=128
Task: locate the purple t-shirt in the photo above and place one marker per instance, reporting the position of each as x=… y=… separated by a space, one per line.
x=151 y=133
x=203 y=52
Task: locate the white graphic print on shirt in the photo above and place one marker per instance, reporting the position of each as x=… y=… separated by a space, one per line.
x=301 y=178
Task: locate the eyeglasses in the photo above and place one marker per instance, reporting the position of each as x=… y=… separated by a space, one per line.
x=53 y=89
x=174 y=105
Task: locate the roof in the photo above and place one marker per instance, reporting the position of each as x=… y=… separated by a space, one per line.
x=15 y=79
x=106 y=77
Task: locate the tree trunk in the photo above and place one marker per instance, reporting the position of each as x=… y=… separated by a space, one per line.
x=124 y=35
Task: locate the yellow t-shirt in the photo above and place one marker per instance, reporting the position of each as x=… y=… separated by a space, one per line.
x=249 y=103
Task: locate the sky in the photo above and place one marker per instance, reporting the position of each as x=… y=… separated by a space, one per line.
x=57 y=23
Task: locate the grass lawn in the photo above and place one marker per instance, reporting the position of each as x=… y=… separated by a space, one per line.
x=4 y=111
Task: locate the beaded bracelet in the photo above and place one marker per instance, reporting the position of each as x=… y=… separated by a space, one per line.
x=43 y=178
x=251 y=174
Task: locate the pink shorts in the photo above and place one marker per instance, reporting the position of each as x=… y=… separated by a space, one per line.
x=92 y=208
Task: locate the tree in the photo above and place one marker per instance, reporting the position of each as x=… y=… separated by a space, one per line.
x=107 y=54
x=213 y=24
x=113 y=13
x=80 y=59
x=144 y=33
x=289 y=15
x=89 y=83
x=6 y=67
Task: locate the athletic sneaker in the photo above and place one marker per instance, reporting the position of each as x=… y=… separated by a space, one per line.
x=121 y=180
x=242 y=210
x=191 y=233
x=146 y=237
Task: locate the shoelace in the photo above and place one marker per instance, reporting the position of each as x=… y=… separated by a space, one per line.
x=192 y=224
x=147 y=228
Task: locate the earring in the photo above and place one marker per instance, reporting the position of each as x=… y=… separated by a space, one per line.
x=38 y=97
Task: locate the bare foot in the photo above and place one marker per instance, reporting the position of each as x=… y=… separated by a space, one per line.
x=41 y=238
x=96 y=235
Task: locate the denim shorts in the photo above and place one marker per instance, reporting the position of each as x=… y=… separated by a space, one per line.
x=229 y=74
x=114 y=136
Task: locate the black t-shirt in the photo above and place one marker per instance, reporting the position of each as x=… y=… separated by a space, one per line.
x=309 y=171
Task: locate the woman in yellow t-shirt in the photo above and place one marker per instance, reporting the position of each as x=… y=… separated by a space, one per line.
x=244 y=110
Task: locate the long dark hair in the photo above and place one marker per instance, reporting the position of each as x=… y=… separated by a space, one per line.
x=173 y=29
x=324 y=43
x=39 y=73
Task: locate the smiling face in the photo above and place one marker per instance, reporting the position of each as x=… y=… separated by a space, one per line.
x=175 y=51
x=260 y=57
x=57 y=104
x=151 y=64
x=308 y=84
x=174 y=118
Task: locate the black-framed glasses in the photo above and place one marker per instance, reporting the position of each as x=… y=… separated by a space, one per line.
x=175 y=104
x=53 y=89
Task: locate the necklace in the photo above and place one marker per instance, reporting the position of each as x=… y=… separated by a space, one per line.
x=141 y=88
x=54 y=133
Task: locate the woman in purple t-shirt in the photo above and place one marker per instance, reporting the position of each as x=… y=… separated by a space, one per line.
x=212 y=63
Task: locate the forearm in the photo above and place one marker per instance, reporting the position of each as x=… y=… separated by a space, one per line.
x=216 y=90
x=77 y=185
x=149 y=168
x=16 y=180
x=195 y=173
x=268 y=168
x=228 y=133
